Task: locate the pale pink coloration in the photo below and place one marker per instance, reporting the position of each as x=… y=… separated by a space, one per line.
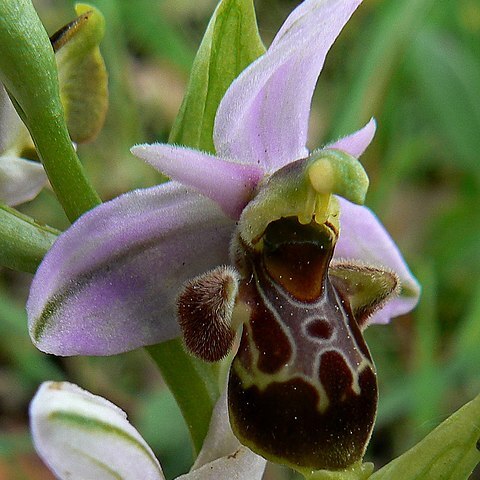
x=110 y=282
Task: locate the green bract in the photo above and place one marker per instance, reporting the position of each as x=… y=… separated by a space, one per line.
x=29 y=73
x=229 y=45
x=82 y=73
x=450 y=452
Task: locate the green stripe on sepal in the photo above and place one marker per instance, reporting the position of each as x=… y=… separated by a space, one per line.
x=101 y=465
x=93 y=425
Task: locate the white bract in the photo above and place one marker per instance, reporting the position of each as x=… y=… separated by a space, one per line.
x=83 y=436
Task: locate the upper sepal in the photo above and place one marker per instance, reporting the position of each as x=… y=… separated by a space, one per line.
x=264 y=115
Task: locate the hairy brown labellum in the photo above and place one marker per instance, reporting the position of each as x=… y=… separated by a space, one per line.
x=205 y=309
x=302 y=387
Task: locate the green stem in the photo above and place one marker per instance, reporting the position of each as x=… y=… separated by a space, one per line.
x=28 y=71
x=64 y=170
x=23 y=243
x=194 y=384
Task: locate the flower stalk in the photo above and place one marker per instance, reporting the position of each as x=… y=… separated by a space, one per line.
x=29 y=73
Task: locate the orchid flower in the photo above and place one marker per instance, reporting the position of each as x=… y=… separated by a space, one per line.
x=80 y=435
x=20 y=179
x=264 y=233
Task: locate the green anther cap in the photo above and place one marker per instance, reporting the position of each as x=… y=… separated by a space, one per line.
x=337 y=172
x=305 y=189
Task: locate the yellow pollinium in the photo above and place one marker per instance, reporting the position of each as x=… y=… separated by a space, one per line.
x=305 y=189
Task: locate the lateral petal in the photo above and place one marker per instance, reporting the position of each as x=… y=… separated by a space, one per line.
x=109 y=283
x=363 y=238
x=228 y=183
x=80 y=435
x=263 y=117
x=356 y=143
x=20 y=180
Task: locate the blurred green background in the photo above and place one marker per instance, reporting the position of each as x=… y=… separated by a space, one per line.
x=415 y=66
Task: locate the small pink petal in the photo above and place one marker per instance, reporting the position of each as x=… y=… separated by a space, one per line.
x=228 y=183
x=356 y=143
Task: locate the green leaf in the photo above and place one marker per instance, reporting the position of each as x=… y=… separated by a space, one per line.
x=448 y=78
x=450 y=452
x=230 y=44
x=82 y=73
x=23 y=243
x=393 y=29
